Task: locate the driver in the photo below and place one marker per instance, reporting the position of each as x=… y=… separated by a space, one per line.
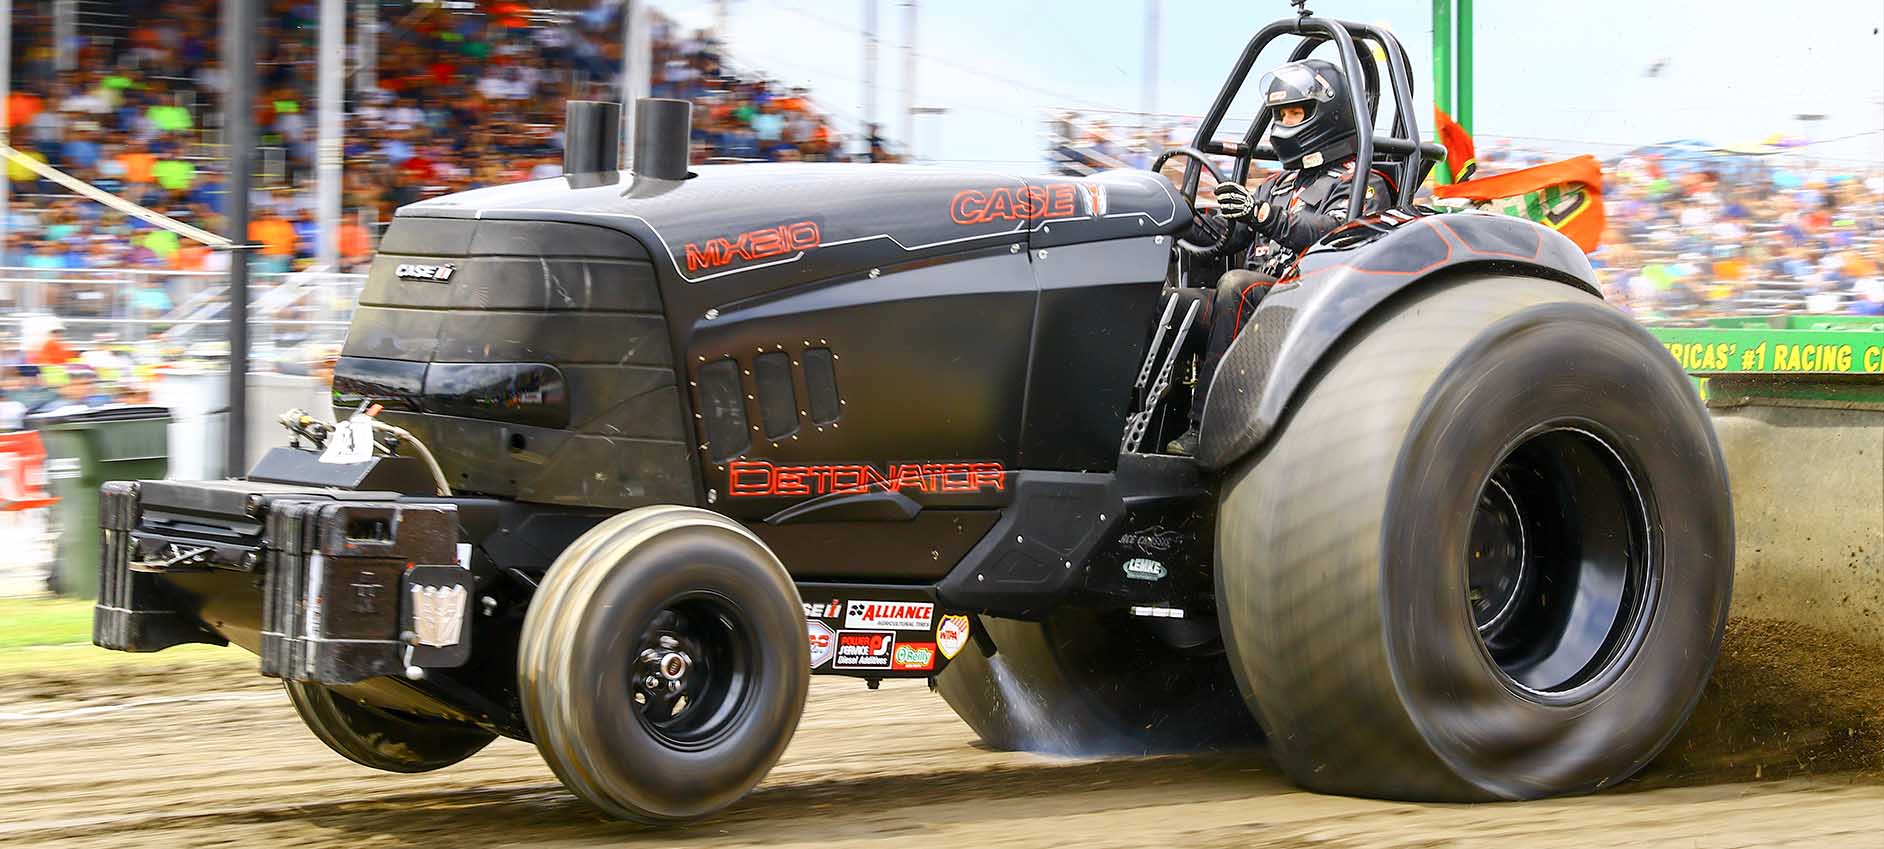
x=1314 y=136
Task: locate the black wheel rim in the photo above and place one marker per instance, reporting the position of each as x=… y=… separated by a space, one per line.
x=691 y=676
x=1559 y=564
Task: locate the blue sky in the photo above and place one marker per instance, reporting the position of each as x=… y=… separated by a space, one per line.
x=1567 y=71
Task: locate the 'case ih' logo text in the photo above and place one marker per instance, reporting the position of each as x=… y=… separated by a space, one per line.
x=756 y=244
x=759 y=478
x=420 y=271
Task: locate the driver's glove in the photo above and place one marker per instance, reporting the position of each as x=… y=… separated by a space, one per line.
x=1234 y=202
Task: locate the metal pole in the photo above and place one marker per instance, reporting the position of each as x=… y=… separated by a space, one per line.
x=909 y=78
x=1148 y=96
x=64 y=34
x=869 y=70
x=6 y=94
x=636 y=57
x=366 y=47
x=1463 y=86
x=238 y=119
x=1442 y=71
x=330 y=59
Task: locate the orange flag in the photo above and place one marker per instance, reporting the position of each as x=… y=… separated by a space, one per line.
x=1461 y=155
x=1565 y=196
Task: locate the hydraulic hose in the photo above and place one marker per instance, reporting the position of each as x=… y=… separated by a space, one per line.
x=317 y=431
x=431 y=462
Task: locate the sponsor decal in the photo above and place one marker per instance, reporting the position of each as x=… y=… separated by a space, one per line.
x=757 y=478
x=1015 y=203
x=863 y=650
x=891 y=615
x=437 y=614
x=828 y=610
x=420 y=271
x=913 y=657
x=762 y=243
x=823 y=643
x=951 y=634
x=1141 y=569
x=1153 y=540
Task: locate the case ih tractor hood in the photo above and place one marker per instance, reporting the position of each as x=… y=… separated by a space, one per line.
x=813 y=221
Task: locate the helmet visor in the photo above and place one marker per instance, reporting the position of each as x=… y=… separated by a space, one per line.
x=1294 y=83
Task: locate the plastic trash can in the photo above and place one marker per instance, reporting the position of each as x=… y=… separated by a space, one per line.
x=84 y=449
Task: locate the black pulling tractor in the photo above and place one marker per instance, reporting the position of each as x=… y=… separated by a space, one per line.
x=646 y=449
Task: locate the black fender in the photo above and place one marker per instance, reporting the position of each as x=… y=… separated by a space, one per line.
x=1337 y=284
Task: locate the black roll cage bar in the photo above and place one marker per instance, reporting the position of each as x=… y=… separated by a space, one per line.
x=1411 y=158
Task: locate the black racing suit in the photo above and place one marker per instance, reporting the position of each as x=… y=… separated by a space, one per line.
x=1304 y=205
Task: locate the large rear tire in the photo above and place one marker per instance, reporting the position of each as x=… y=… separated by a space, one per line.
x=1488 y=556
x=1084 y=683
x=384 y=739
x=663 y=664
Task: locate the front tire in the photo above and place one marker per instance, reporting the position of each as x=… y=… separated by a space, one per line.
x=663 y=664
x=1489 y=555
x=383 y=739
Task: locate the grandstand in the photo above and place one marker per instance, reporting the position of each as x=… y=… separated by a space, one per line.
x=458 y=95
x=448 y=96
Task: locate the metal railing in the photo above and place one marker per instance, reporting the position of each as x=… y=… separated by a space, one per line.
x=175 y=309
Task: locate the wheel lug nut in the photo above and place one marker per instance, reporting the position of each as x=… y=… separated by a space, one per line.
x=668 y=642
x=651 y=682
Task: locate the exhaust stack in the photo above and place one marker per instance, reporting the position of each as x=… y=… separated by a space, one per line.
x=663 y=133
x=591 y=137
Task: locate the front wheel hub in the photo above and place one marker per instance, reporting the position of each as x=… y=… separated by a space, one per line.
x=693 y=671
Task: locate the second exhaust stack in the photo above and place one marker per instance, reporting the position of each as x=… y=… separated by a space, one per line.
x=663 y=135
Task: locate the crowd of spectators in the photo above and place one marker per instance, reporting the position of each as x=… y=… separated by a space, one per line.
x=1693 y=238
x=1693 y=232
x=465 y=96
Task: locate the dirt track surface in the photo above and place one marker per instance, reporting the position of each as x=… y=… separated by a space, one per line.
x=95 y=759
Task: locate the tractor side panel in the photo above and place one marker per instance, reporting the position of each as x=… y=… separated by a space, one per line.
x=1098 y=302
x=1336 y=285
x=910 y=382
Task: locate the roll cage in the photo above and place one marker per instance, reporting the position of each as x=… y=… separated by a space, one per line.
x=1401 y=150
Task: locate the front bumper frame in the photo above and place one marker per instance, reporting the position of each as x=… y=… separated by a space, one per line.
x=320 y=581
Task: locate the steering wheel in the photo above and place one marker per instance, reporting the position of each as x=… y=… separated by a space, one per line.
x=1230 y=233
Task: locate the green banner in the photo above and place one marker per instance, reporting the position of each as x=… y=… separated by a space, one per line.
x=1717 y=350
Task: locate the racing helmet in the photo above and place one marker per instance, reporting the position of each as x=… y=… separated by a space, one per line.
x=1327 y=133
